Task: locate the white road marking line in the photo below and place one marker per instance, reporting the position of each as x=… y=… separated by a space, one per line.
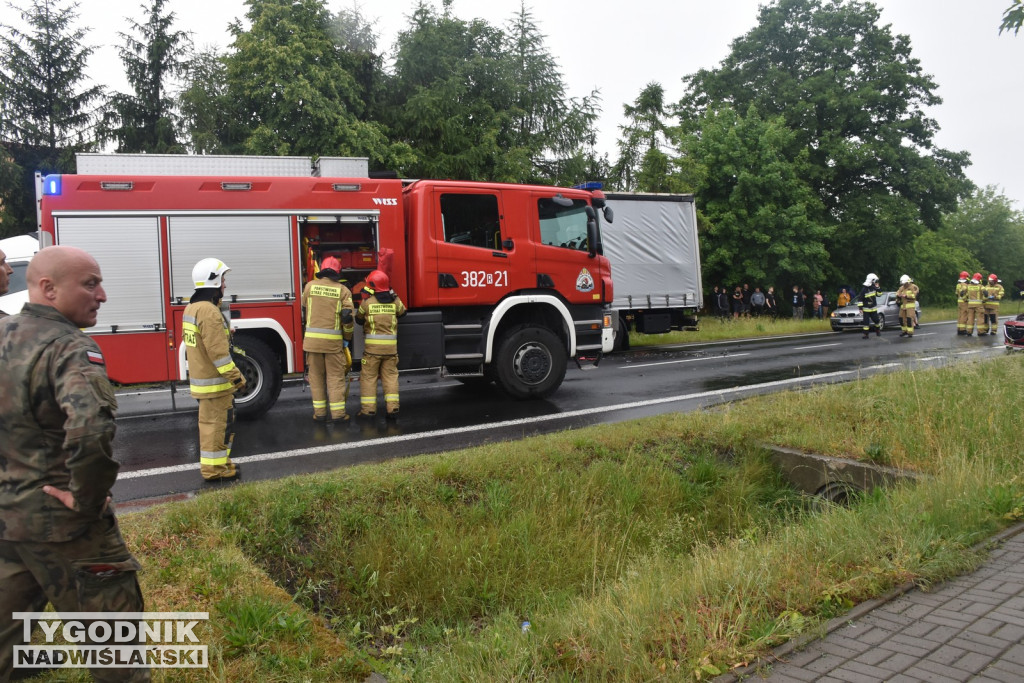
x=818 y=346
x=438 y=433
x=685 y=360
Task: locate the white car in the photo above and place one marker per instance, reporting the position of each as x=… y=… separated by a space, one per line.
x=19 y=251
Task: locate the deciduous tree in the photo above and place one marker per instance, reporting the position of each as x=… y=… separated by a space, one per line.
x=760 y=213
x=1013 y=17
x=480 y=103
x=287 y=81
x=854 y=98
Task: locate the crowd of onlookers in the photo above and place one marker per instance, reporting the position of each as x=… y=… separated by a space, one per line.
x=746 y=302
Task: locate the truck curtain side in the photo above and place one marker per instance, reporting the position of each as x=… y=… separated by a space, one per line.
x=655 y=258
x=500 y=280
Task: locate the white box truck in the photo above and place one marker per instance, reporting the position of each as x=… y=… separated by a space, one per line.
x=655 y=257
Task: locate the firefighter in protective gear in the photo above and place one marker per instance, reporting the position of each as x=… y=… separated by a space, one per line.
x=379 y=314
x=991 y=294
x=328 y=314
x=868 y=304
x=906 y=295
x=212 y=375
x=975 y=306
x=961 y=302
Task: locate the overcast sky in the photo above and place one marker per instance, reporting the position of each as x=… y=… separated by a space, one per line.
x=619 y=47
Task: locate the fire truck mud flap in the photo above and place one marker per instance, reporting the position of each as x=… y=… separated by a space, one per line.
x=262 y=373
x=530 y=362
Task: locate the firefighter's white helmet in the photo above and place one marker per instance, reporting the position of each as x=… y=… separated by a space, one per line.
x=870 y=279
x=209 y=273
x=905 y=279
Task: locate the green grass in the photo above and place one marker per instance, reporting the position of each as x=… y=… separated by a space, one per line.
x=713 y=329
x=663 y=548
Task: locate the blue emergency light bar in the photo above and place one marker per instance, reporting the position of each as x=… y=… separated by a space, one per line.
x=51 y=184
x=589 y=185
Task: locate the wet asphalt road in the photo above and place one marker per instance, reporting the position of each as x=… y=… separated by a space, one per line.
x=157 y=447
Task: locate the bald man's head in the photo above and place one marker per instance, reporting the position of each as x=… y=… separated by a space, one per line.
x=69 y=280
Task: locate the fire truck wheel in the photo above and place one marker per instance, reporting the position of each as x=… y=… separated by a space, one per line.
x=262 y=374
x=531 y=362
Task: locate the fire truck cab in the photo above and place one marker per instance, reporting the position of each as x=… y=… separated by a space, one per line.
x=502 y=282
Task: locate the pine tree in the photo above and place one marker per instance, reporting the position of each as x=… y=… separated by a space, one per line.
x=145 y=120
x=47 y=112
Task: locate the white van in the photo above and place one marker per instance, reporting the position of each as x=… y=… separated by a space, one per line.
x=19 y=251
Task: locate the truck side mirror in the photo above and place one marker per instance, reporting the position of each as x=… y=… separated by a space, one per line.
x=592 y=246
x=609 y=215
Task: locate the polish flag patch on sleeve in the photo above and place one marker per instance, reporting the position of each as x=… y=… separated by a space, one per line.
x=95 y=357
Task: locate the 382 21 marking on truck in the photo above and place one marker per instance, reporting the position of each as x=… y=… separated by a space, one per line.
x=479 y=278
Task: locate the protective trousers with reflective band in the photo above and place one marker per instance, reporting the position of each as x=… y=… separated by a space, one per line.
x=908 y=317
x=991 y=315
x=216 y=436
x=961 y=307
x=992 y=295
x=386 y=367
x=93 y=572
x=328 y=383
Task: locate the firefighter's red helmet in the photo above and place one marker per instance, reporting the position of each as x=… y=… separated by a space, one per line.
x=992 y=277
x=977 y=276
x=331 y=263
x=964 y=275
x=378 y=281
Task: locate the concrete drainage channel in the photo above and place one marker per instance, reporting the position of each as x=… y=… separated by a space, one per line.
x=834 y=479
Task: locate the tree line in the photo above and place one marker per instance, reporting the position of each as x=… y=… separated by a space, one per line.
x=808 y=147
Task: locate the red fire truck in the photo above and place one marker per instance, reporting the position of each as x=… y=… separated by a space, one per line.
x=503 y=282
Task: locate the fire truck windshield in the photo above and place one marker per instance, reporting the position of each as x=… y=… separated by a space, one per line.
x=563 y=226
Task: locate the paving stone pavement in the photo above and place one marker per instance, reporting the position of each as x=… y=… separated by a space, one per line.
x=967 y=629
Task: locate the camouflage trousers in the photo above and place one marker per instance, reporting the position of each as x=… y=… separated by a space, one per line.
x=386 y=367
x=91 y=573
x=328 y=383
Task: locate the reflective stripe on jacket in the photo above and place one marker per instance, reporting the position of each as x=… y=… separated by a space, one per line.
x=380 y=323
x=974 y=293
x=205 y=333
x=329 y=313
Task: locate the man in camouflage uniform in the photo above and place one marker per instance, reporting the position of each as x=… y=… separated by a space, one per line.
x=5 y=276
x=59 y=538
x=328 y=313
x=212 y=375
x=379 y=314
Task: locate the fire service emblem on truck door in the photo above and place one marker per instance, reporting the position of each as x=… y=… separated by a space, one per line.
x=585 y=281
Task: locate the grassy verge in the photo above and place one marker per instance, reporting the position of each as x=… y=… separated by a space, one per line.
x=664 y=548
x=712 y=329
